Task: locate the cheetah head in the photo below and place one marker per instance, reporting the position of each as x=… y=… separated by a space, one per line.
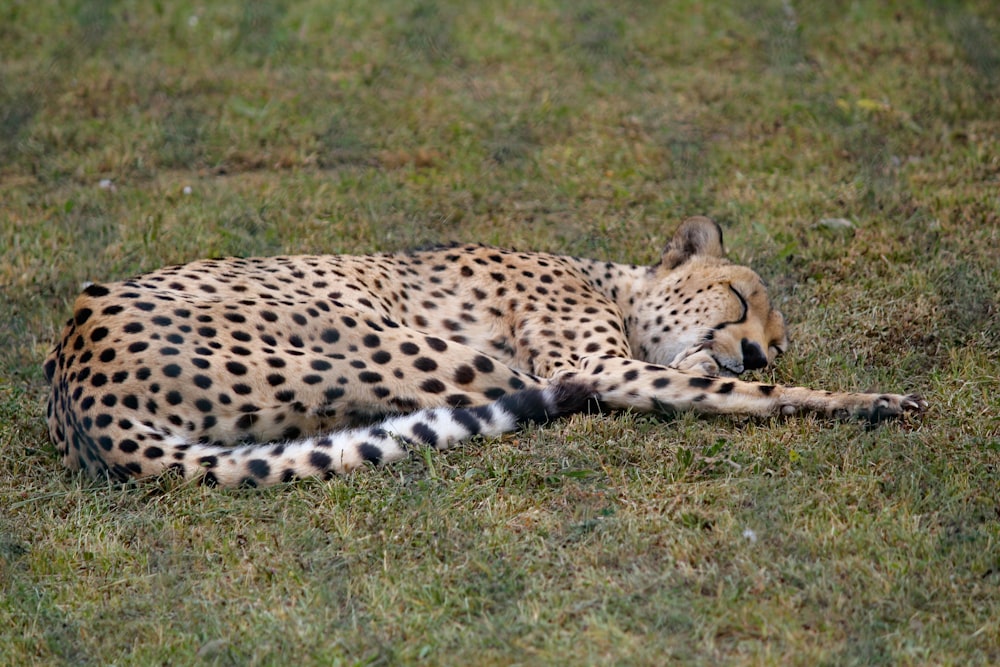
x=697 y=311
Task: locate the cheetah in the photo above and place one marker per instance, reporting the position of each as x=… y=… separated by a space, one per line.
x=252 y=372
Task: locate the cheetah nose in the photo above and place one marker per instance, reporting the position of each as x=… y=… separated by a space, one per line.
x=753 y=355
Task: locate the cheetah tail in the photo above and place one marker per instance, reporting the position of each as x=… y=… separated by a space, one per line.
x=341 y=452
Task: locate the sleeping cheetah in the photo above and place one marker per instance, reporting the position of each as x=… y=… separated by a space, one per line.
x=257 y=371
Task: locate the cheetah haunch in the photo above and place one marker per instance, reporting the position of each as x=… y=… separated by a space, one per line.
x=257 y=371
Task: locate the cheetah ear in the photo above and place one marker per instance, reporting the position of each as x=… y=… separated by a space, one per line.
x=696 y=236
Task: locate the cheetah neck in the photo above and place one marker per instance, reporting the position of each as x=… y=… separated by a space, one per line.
x=619 y=282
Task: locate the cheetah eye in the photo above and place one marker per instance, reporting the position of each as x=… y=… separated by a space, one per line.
x=743 y=303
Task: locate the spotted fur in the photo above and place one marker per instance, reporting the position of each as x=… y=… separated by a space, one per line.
x=257 y=371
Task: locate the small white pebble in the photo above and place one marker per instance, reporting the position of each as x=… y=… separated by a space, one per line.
x=193 y=20
x=106 y=184
x=749 y=535
x=187 y=190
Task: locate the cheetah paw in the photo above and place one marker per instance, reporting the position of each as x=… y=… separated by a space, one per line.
x=699 y=363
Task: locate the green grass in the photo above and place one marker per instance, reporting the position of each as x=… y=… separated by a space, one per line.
x=587 y=128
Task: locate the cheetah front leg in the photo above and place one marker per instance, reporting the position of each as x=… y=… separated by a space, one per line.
x=628 y=383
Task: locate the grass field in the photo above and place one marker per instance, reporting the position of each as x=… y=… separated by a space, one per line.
x=136 y=134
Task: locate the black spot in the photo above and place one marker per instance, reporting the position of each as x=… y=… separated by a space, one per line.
x=172 y=370
x=700 y=382
x=161 y=321
x=268 y=316
x=370 y=453
x=174 y=397
x=468 y=421
x=128 y=445
x=275 y=379
x=152 y=452
x=246 y=421
x=631 y=375
x=50 y=369
x=766 y=389
x=409 y=349
x=371 y=340
x=203 y=405
x=458 y=401
x=425 y=433
x=320 y=461
x=483 y=364
x=131 y=401
x=103 y=420
x=99 y=380
x=660 y=383
x=235 y=318
x=726 y=388
x=436 y=344
x=259 y=468
x=119 y=377
x=109 y=400
x=241 y=389
x=82 y=315
x=202 y=381
x=96 y=290
x=236 y=368
x=300 y=319
x=330 y=336
x=425 y=364
x=320 y=365
x=464 y=374
x=107 y=355
x=98 y=334
x=285 y=395
x=207 y=332
x=432 y=386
